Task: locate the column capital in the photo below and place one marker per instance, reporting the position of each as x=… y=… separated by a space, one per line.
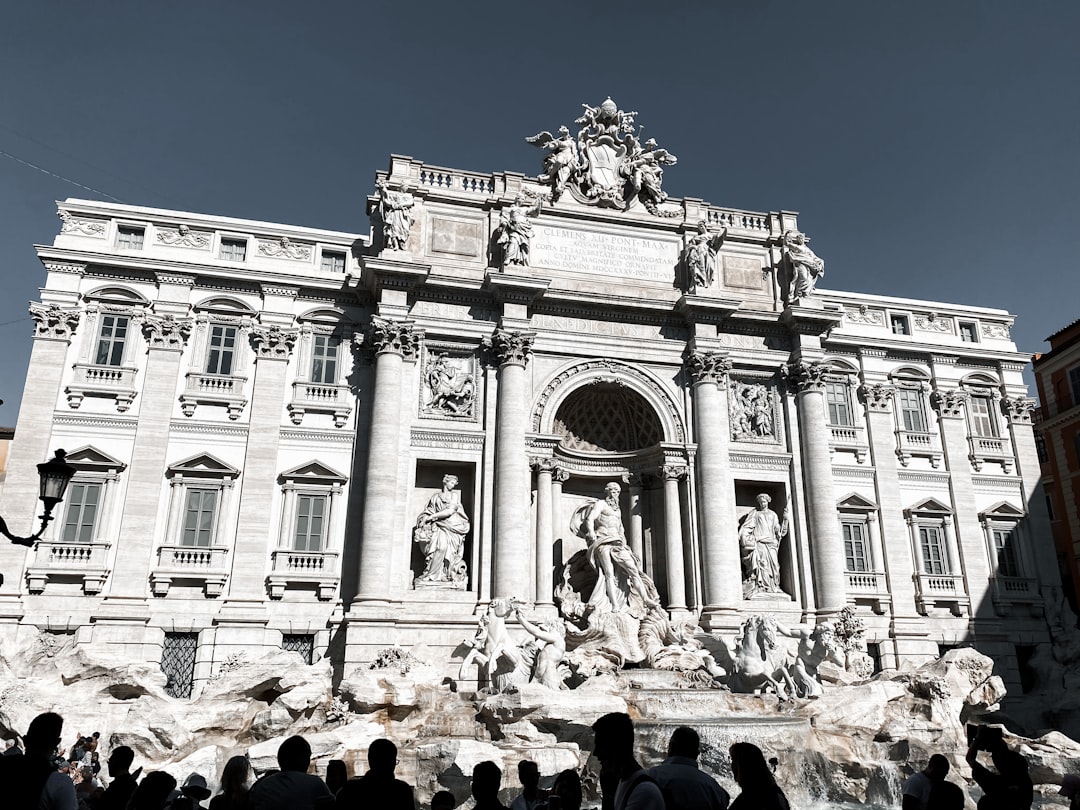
x=166 y=332
x=53 y=322
x=510 y=348
x=674 y=472
x=543 y=464
x=708 y=367
x=395 y=337
x=560 y=475
x=877 y=396
x=1018 y=410
x=805 y=377
x=949 y=404
x=273 y=342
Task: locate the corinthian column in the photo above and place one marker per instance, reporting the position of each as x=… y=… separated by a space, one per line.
x=826 y=544
x=721 y=573
x=673 y=537
x=511 y=555
x=392 y=342
x=544 y=538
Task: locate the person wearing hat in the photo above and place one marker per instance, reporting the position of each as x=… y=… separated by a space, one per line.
x=192 y=793
x=31 y=780
x=1070 y=789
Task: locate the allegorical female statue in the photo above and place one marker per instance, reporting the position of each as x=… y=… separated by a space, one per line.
x=759 y=544
x=442 y=528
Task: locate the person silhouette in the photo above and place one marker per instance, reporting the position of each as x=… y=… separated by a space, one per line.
x=755 y=779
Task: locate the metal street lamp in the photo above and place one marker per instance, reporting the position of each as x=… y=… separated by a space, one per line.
x=55 y=476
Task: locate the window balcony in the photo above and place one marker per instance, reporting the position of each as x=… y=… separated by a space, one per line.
x=868 y=587
x=213 y=389
x=849 y=439
x=329 y=398
x=1008 y=591
x=69 y=562
x=911 y=443
x=990 y=448
x=190 y=565
x=941 y=590
x=114 y=382
x=304 y=569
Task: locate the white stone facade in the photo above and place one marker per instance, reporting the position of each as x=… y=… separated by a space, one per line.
x=253 y=414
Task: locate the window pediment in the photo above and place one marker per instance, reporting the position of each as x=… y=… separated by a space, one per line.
x=90 y=459
x=314 y=472
x=117 y=296
x=929 y=506
x=224 y=305
x=202 y=465
x=855 y=502
x=1003 y=510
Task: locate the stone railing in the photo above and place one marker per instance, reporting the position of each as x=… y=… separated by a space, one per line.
x=85 y=562
x=213 y=389
x=917 y=443
x=990 y=448
x=866 y=581
x=104 y=381
x=456 y=180
x=1009 y=591
x=946 y=590
x=737 y=220
x=849 y=438
x=298 y=569
x=334 y=399
x=203 y=565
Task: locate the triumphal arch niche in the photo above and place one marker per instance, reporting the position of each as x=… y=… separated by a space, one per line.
x=545 y=348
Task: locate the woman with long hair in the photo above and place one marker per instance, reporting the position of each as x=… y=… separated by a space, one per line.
x=234 y=785
x=755 y=779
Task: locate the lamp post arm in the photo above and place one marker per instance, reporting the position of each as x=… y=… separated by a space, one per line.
x=23 y=541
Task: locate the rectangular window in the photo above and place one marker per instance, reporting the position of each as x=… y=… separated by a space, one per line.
x=178 y=663
x=199 y=518
x=969 y=332
x=333 y=262
x=1040 y=447
x=899 y=325
x=222 y=349
x=111 y=338
x=982 y=417
x=873 y=649
x=855 y=551
x=933 y=551
x=233 y=250
x=912 y=416
x=1074 y=384
x=129 y=238
x=1005 y=550
x=836 y=397
x=324 y=359
x=304 y=645
x=1049 y=506
x=82 y=509
x=310 y=522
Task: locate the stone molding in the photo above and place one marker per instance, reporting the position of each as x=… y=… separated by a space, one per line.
x=806 y=377
x=1018 y=410
x=52 y=322
x=708 y=367
x=877 y=396
x=180 y=279
x=949 y=404
x=753 y=461
x=75 y=268
x=279 y=290
x=166 y=332
x=510 y=348
x=272 y=342
x=395 y=337
x=432 y=437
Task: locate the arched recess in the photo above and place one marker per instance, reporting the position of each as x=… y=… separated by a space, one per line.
x=117 y=296
x=609 y=373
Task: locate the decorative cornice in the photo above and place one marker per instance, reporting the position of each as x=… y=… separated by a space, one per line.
x=429 y=437
x=52 y=322
x=395 y=337
x=56 y=266
x=806 y=377
x=1018 y=410
x=166 y=332
x=510 y=348
x=280 y=290
x=877 y=397
x=949 y=404
x=708 y=367
x=179 y=279
x=753 y=461
x=273 y=342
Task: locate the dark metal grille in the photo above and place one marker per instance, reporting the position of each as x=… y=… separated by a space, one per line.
x=178 y=663
x=302 y=644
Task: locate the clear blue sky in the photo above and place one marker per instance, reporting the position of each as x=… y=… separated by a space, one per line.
x=932 y=148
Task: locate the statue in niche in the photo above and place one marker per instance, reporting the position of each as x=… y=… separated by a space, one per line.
x=759 y=544
x=451 y=389
x=701 y=256
x=561 y=162
x=442 y=528
x=804 y=267
x=514 y=234
x=750 y=406
x=620 y=586
x=396 y=214
x=547 y=669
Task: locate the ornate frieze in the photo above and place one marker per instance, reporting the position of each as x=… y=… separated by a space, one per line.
x=806 y=377
x=510 y=348
x=395 y=337
x=932 y=322
x=283 y=248
x=80 y=225
x=181 y=280
x=75 y=268
x=877 y=396
x=708 y=367
x=998 y=331
x=166 y=332
x=448 y=390
x=53 y=322
x=1018 y=410
x=273 y=342
x=949 y=403
x=183 y=236
x=865 y=316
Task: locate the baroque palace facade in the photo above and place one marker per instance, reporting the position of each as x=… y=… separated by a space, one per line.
x=338 y=443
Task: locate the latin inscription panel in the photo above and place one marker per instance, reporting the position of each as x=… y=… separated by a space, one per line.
x=455 y=237
x=605 y=254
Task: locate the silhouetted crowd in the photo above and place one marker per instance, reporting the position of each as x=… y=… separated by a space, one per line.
x=42 y=776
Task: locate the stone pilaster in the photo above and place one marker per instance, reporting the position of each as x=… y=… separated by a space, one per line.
x=826 y=544
x=1018 y=412
x=544 y=537
x=53 y=329
x=392 y=341
x=512 y=349
x=673 y=537
x=721 y=568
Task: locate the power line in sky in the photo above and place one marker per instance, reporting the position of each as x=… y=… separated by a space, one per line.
x=59 y=176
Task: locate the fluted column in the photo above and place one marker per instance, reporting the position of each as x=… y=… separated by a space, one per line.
x=721 y=571
x=673 y=537
x=826 y=543
x=637 y=535
x=511 y=557
x=392 y=341
x=544 y=537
